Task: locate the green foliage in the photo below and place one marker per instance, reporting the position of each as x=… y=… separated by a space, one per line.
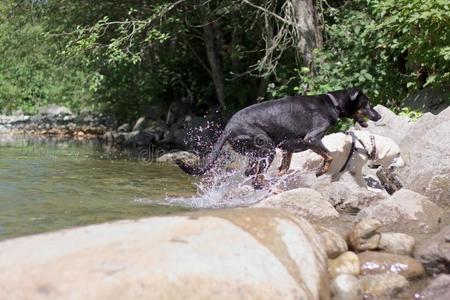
x=409 y=113
x=31 y=73
x=387 y=47
x=123 y=56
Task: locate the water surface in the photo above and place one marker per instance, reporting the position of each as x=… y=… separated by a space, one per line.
x=53 y=184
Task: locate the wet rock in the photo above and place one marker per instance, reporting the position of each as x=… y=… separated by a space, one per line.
x=334 y=243
x=364 y=235
x=124 y=128
x=346 y=287
x=385 y=286
x=185 y=156
x=390 y=125
x=435 y=253
x=226 y=254
x=380 y=263
x=301 y=202
x=437 y=289
x=139 y=125
x=405 y=209
x=425 y=151
x=397 y=243
x=346 y=263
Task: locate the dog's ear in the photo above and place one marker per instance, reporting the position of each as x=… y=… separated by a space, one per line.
x=354 y=94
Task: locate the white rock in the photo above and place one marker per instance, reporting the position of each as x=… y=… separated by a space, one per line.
x=229 y=254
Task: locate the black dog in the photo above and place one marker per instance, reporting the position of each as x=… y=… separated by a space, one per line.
x=293 y=124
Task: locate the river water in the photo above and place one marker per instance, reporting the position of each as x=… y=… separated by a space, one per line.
x=53 y=184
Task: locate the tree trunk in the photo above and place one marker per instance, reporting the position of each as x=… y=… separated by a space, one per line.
x=214 y=62
x=308 y=28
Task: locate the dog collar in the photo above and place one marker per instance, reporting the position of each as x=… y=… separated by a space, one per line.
x=335 y=103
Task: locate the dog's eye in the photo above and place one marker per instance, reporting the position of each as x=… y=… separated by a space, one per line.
x=398 y=154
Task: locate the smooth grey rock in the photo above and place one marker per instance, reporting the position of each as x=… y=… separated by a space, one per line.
x=226 y=254
x=437 y=289
x=406 y=210
x=346 y=287
x=435 y=253
x=364 y=235
x=372 y=262
x=397 y=243
x=302 y=202
x=385 y=287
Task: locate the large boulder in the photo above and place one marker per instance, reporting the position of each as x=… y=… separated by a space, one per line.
x=302 y=202
x=425 y=150
x=435 y=253
x=390 y=125
x=228 y=254
x=405 y=210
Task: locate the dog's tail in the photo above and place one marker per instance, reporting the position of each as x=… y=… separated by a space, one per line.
x=210 y=159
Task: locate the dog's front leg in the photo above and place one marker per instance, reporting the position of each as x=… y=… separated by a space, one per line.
x=315 y=144
x=285 y=163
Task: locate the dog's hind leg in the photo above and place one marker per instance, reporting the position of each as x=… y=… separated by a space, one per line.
x=252 y=167
x=315 y=144
x=285 y=163
x=261 y=167
x=264 y=154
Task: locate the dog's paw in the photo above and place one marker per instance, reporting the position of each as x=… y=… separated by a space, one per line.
x=320 y=172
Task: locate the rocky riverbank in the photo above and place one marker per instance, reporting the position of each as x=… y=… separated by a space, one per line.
x=55 y=120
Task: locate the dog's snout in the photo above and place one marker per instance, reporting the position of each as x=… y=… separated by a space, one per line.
x=374 y=115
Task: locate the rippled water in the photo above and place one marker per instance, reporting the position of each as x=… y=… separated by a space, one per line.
x=53 y=184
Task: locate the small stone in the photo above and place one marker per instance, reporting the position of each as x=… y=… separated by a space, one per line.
x=364 y=236
x=346 y=263
x=385 y=286
x=346 y=287
x=397 y=243
x=124 y=128
x=334 y=243
x=380 y=263
x=139 y=125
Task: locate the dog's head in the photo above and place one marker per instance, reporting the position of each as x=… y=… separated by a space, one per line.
x=359 y=109
x=388 y=154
